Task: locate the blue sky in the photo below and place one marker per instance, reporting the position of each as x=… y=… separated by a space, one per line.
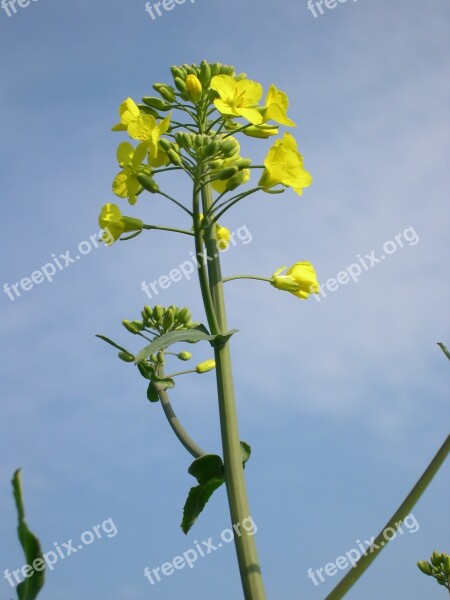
x=344 y=401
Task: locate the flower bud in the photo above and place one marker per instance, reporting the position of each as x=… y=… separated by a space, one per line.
x=446 y=563
x=126 y=357
x=211 y=149
x=184 y=316
x=436 y=558
x=205 y=73
x=158 y=313
x=130 y=327
x=425 y=567
x=177 y=72
x=174 y=157
x=148 y=183
x=207 y=365
x=180 y=85
x=166 y=91
x=154 y=102
x=168 y=318
x=229 y=147
x=227 y=173
x=260 y=131
x=184 y=355
x=194 y=87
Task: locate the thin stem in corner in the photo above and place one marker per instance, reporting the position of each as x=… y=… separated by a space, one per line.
x=403 y=511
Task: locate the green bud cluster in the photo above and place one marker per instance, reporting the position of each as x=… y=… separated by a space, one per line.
x=163 y=320
x=205 y=72
x=438 y=567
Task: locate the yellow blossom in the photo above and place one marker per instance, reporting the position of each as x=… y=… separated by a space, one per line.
x=141 y=126
x=238 y=98
x=284 y=164
x=222 y=233
x=126 y=184
x=113 y=222
x=300 y=280
x=276 y=107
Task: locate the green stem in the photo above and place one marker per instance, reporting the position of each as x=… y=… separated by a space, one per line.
x=177 y=427
x=175 y=202
x=247 y=555
x=247 y=277
x=182 y=373
x=168 y=229
x=202 y=269
x=404 y=510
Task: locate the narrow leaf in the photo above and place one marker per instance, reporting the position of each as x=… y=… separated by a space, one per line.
x=444 y=350
x=108 y=341
x=31 y=586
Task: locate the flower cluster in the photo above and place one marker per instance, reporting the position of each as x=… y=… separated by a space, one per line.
x=191 y=126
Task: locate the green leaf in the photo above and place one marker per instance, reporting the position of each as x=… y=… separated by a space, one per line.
x=209 y=466
x=444 y=350
x=196 y=501
x=152 y=392
x=31 y=586
x=197 y=334
x=146 y=370
x=108 y=341
x=163 y=383
x=246 y=452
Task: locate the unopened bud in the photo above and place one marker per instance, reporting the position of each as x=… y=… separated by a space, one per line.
x=194 y=87
x=148 y=183
x=130 y=327
x=207 y=365
x=155 y=103
x=184 y=355
x=425 y=567
x=126 y=357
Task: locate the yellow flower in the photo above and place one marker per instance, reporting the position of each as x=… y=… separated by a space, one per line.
x=284 y=164
x=194 y=87
x=223 y=237
x=141 y=126
x=205 y=366
x=238 y=98
x=300 y=280
x=128 y=111
x=276 y=107
x=112 y=221
x=222 y=233
x=126 y=184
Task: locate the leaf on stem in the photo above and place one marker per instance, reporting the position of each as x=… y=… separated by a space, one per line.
x=192 y=336
x=31 y=586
